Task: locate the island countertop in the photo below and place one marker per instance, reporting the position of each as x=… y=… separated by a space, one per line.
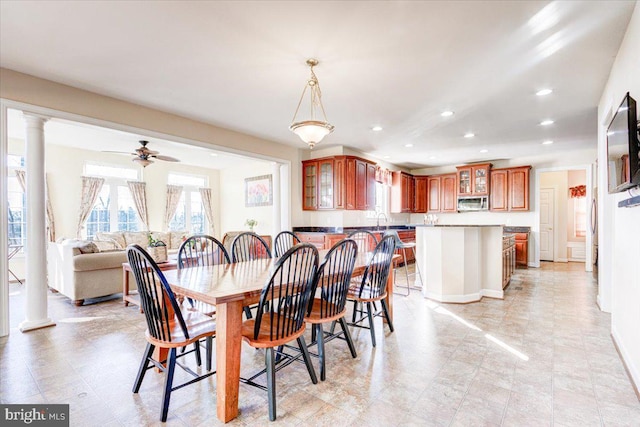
x=459 y=225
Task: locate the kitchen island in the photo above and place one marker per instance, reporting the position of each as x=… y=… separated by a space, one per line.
x=460 y=263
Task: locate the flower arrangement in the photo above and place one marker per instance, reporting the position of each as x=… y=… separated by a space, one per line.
x=251 y=223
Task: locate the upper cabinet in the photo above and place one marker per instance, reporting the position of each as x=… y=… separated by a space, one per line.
x=441 y=190
x=339 y=182
x=510 y=189
x=421 y=194
x=402 y=193
x=473 y=180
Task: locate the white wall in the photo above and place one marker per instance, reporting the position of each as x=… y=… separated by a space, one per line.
x=234 y=212
x=619 y=228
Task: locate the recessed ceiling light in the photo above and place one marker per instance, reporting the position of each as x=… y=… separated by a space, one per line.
x=547 y=142
x=484 y=150
x=544 y=92
x=446 y=113
x=386 y=157
x=432 y=157
x=469 y=135
x=214 y=154
x=376 y=128
x=546 y=122
x=408 y=145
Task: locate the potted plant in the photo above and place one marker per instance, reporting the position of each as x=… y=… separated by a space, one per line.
x=157 y=249
x=251 y=223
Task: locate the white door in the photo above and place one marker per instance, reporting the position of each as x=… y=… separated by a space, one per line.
x=547 y=197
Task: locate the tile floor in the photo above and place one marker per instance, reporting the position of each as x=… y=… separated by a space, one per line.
x=542 y=356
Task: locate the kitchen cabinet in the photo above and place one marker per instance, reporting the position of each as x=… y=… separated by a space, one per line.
x=510 y=189
x=338 y=182
x=522 y=249
x=508 y=259
x=441 y=190
x=473 y=180
x=421 y=194
x=402 y=192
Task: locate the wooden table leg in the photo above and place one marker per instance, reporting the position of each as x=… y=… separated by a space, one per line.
x=125 y=286
x=228 y=343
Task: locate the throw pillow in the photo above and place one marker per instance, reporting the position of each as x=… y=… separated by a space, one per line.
x=117 y=236
x=87 y=247
x=177 y=237
x=107 y=245
x=137 y=238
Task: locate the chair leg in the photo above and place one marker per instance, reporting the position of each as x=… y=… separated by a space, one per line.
x=417 y=268
x=317 y=328
x=307 y=359
x=313 y=334
x=355 y=309
x=143 y=367
x=333 y=327
x=371 y=328
x=196 y=347
x=279 y=354
x=347 y=336
x=247 y=312
x=168 y=383
x=209 y=343
x=271 y=382
x=386 y=314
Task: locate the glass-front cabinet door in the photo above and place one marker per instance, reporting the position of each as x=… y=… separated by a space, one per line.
x=325 y=184
x=464 y=179
x=480 y=180
x=309 y=174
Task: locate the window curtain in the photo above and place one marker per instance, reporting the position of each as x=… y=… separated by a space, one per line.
x=139 y=192
x=173 y=197
x=205 y=193
x=51 y=226
x=91 y=187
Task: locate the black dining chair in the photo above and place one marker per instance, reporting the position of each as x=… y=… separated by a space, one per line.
x=366 y=242
x=373 y=287
x=167 y=326
x=248 y=246
x=198 y=250
x=329 y=304
x=281 y=314
x=284 y=241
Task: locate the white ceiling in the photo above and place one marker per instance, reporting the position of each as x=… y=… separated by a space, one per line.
x=241 y=65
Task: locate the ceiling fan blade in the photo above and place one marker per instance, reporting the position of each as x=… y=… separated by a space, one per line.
x=119 y=152
x=145 y=150
x=165 y=158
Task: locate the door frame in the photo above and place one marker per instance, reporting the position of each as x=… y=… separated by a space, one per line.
x=535 y=229
x=284 y=187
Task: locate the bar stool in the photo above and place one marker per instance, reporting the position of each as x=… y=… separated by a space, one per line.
x=403 y=246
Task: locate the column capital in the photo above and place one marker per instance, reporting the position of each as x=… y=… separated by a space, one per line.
x=34 y=119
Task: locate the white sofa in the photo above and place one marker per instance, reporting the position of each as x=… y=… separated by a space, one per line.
x=81 y=270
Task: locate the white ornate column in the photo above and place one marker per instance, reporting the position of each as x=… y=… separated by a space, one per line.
x=36 y=248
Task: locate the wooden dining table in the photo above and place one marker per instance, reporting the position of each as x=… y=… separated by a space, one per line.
x=230 y=287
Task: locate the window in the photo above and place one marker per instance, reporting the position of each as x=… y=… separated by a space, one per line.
x=382 y=201
x=17 y=202
x=114 y=209
x=579 y=217
x=190 y=212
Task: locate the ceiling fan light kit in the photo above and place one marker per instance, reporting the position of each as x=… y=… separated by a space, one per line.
x=312 y=131
x=143 y=156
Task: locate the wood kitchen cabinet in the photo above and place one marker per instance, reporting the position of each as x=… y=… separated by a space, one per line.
x=421 y=194
x=510 y=189
x=338 y=182
x=402 y=192
x=473 y=180
x=441 y=191
x=522 y=249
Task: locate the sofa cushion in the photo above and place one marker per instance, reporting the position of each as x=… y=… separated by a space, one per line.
x=117 y=237
x=177 y=237
x=140 y=238
x=99 y=261
x=107 y=245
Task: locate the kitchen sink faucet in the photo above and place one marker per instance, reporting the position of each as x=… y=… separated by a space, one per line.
x=386 y=219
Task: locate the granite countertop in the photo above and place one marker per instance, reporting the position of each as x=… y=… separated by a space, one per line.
x=459 y=225
x=347 y=230
x=515 y=229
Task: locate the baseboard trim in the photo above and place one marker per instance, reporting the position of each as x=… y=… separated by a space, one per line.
x=633 y=375
x=465 y=299
x=561 y=260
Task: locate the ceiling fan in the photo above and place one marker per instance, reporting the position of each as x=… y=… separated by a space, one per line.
x=144 y=156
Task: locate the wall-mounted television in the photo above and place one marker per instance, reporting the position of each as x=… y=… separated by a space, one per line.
x=623 y=147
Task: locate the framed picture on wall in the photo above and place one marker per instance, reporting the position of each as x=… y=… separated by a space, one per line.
x=258 y=191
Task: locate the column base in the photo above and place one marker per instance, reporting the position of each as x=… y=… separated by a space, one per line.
x=26 y=325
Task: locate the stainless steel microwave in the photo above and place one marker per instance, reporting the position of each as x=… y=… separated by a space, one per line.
x=473 y=203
